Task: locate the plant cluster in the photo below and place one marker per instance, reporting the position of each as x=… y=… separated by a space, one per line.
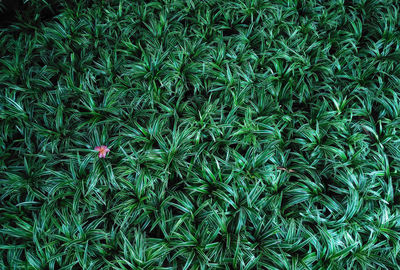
x=243 y=134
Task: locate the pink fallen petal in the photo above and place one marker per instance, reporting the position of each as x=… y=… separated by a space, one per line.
x=103 y=150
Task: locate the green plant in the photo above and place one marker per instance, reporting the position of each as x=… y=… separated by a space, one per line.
x=243 y=134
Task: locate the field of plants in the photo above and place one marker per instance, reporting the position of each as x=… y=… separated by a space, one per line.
x=200 y=134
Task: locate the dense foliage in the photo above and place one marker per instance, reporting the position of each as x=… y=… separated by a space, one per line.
x=244 y=134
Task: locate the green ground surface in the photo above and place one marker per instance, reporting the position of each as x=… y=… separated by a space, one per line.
x=243 y=134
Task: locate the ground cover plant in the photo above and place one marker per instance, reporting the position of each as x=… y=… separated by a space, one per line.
x=185 y=134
